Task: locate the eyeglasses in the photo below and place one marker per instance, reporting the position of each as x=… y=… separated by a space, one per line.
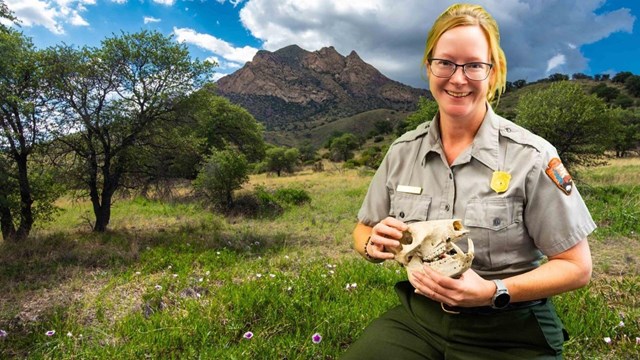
x=476 y=71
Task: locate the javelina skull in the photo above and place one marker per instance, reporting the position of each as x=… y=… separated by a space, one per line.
x=431 y=243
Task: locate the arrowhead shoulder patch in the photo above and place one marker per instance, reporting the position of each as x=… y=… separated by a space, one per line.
x=560 y=176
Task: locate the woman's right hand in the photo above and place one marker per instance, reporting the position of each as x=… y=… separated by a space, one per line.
x=385 y=235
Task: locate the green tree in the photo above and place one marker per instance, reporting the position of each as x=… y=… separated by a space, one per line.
x=341 y=148
x=7 y=14
x=518 y=84
x=605 y=92
x=222 y=123
x=624 y=101
x=111 y=100
x=626 y=130
x=24 y=113
x=632 y=84
x=382 y=126
x=427 y=109
x=581 y=76
x=575 y=123
x=372 y=156
x=279 y=159
x=557 y=77
x=621 y=77
x=224 y=171
x=307 y=152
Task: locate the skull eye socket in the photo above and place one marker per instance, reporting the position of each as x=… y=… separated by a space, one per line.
x=457 y=225
x=407 y=238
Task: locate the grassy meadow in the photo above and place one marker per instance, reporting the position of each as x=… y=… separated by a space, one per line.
x=172 y=280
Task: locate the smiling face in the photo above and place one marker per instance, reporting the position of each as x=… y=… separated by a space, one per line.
x=458 y=97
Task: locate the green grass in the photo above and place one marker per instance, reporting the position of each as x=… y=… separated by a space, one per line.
x=173 y=280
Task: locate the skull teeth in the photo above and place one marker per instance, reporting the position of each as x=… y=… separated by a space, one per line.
x=431 y=243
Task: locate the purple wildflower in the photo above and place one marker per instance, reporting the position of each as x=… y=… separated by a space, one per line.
x=50 y=333
x=3 y=334
x=638 y=341
x=316 y=338
x=248 y=335
x=607 y=340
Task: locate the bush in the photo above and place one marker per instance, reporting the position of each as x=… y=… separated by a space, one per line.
x=257 y=204
x=292 y=196
x=350 y=164
x=223 y=172
x=265 y=203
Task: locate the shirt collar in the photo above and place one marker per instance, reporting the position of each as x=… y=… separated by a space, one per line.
x=485 y=147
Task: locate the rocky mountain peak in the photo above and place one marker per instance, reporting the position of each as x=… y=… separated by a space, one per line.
x=295 y=85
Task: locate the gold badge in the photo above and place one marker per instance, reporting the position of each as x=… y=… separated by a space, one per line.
x=560 y=176
x=500 y=181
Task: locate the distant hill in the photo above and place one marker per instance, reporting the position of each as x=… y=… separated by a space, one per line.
x=509 y=101
x=360 y=124
x=299 y=92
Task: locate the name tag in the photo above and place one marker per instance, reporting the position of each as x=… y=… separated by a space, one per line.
x=409 y=189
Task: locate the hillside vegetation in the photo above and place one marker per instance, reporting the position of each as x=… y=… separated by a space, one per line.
x=361 y=124
x=318 y=132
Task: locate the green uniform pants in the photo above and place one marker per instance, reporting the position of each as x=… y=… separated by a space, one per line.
x=420 y=329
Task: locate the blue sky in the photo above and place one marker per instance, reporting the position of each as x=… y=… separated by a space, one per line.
x=539 y=37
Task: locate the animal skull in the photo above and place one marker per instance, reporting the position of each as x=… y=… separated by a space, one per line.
x=431 y=243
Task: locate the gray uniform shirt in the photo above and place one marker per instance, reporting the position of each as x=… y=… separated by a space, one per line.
x=511 y=230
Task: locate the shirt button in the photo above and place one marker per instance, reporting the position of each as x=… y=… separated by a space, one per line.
x=446 y=207
x=401 y=214
x=496 y=222
x=450 y=176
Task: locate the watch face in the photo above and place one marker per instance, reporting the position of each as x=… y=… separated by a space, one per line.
x=501 y=300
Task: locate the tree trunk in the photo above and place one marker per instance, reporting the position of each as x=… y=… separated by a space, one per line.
x=6 y=224
x=101 y=205
x=229 y=200
x=103 y=216
x=26 y=200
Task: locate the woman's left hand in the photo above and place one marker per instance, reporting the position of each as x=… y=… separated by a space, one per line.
x=466 y=291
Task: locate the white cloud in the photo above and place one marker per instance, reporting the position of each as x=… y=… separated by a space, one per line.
x=215 y=45
x=533 y=32
x=232 y=2
x=149 y=19
x=77 y=20
x=556 y=61
x=165 y=2
x=36 y=12
x=217 y=76
x=119 y=1
x=51 y=15
x=223 y=65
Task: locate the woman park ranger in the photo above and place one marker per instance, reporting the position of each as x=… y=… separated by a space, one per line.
x=512 y=193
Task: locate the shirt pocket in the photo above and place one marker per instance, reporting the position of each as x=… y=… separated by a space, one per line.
x=410 y=207
x=497 y=230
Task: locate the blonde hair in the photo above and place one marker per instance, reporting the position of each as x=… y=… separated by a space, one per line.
x=468 y=14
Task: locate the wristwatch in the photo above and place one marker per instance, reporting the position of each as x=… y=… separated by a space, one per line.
x=501 y=298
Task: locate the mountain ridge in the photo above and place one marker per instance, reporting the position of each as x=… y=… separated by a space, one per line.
x=292 y=89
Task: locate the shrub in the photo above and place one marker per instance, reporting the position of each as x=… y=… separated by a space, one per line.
x=259 y=203
x=223 y=172
x=292 y=196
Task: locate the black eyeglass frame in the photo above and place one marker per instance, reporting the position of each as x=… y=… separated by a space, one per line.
x=456 y=66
